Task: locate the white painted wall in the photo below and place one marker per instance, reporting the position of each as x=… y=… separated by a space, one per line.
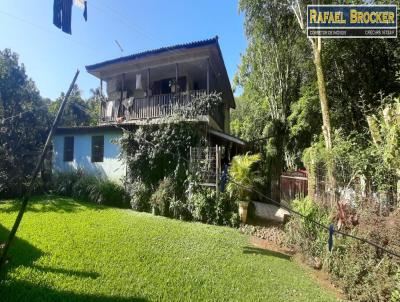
x=111 y=168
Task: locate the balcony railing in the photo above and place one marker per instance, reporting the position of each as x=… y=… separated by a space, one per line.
x=156 y=106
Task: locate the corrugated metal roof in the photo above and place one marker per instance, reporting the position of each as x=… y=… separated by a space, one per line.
x=154 y=52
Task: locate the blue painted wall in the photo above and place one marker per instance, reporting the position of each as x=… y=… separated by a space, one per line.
x=111 y=168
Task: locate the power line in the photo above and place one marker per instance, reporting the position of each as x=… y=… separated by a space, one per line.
x=134 y=27
x=48 y=31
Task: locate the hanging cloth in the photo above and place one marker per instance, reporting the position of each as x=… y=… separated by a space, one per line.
x=139 y=81
x=109 y=110
x=62 y=11
x=82 y=4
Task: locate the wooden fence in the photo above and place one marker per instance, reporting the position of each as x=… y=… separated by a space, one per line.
x=293 y=185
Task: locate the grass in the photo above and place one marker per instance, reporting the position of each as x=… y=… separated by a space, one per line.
x=74 y=251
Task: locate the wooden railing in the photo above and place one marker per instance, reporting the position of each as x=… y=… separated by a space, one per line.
x=156 y=106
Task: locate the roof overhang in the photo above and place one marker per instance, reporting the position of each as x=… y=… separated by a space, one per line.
x=227 y=137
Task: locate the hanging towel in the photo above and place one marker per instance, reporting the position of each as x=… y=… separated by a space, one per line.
x=62 y=11
x=82 y=4
x=109 y=110
x=138 y=81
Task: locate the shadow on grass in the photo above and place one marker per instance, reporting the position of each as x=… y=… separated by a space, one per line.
x=258 y=251
x=81 y=274
x=25 y=291
x=50 y=203
x=22 y=253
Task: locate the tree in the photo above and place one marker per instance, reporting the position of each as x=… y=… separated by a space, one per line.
x=78 y=112
x=271 y=73
x=24 y=123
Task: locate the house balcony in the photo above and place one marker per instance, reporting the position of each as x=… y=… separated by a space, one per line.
x=144 y=109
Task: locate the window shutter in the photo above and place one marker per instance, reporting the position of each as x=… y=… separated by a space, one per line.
x=97 y=149
x=68 y=148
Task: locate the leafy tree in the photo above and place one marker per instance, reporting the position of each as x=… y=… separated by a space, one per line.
x=271 y=73
x=78 y=112
x=24 y=123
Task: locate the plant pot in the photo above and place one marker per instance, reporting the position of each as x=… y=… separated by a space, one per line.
x=243 y=209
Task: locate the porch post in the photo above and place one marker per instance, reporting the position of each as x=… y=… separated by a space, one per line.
x=101 y=101
x=208 y=76
x=176 y=77
x=148 y=82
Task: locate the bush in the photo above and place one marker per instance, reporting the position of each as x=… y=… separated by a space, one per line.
x=202 y=206
x=178 y=208
x=63 y=182
x=305 y=235
x=89 y=188
x=205 y=206
x=139 y=196
x=160 y=200
x=83 y=186
x=108 y=193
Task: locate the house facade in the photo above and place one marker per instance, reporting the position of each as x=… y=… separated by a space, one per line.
x=146 y=88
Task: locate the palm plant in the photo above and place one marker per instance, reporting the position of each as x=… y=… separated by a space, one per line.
x=243 y=176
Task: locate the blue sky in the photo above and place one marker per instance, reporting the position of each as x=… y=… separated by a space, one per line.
x=51 y=56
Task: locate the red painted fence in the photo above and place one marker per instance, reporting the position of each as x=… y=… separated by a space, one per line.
x=294 y=185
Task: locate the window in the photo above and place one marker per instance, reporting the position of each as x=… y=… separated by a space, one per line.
x=97 y=148
x=68 y=148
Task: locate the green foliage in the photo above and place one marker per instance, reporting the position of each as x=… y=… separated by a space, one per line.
x=161 y=199
x=202 y=205
x=108 y=193
x=89 y=188
x=22 y=136
x=77 y=112
x=360 y=273
x=307 y=236
x=395 y=296
x=153 y=152
x=363 y=272
x=244 y=176
x=65 y=248
x=140 y=195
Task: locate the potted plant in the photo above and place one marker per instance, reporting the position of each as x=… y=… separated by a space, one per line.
x=242 y=177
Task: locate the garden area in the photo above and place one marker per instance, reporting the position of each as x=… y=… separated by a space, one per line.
x=68 y=250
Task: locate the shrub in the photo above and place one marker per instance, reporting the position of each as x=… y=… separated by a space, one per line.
x=305 y=235
x=139 y=196
x=63 y=182
x=160 y=200
x=108 y=193
x=82 y=188
x=205 y=206
x=202 y=206
x=178 y=208
x=89 y=188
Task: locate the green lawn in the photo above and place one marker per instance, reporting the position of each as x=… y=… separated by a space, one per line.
x=69 y=251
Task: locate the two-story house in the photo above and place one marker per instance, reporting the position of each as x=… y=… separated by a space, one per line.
x=144 y=88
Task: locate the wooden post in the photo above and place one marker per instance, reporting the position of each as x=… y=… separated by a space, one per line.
x=176 y=78
x=101 y=103
x=208 y=76
x=28 y=193
x=148 y=82
x=217 y=159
